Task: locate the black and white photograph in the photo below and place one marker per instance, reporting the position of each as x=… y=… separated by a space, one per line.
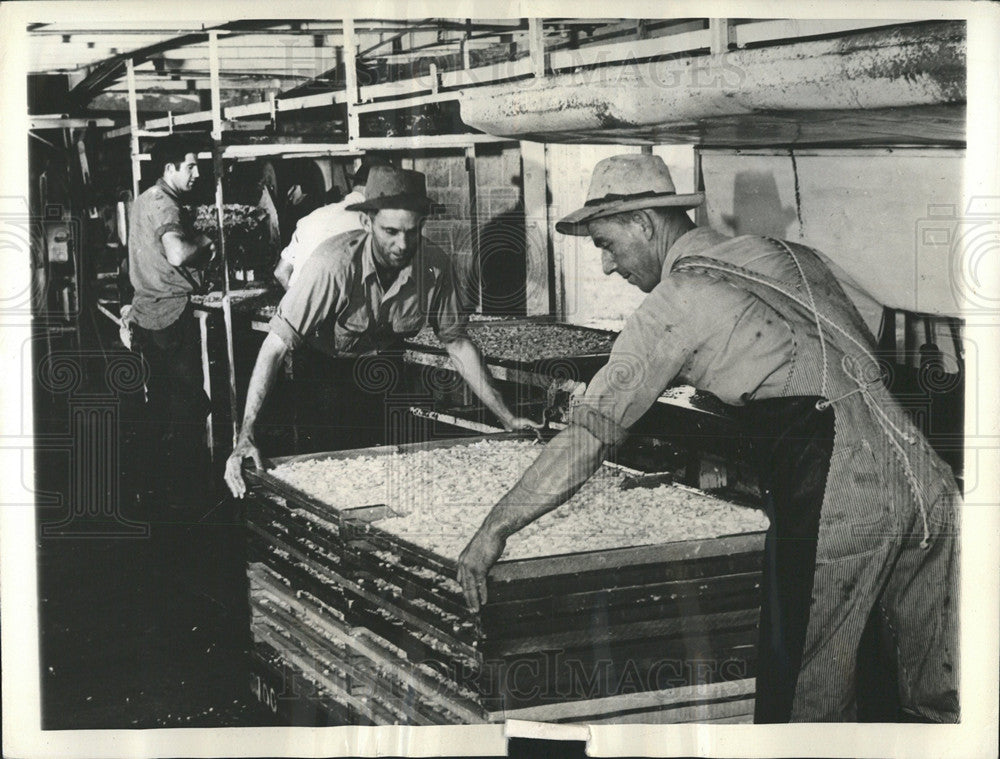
x=477 y=380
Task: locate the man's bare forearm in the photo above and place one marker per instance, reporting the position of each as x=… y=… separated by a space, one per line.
x=558 y=472
x=468 y=362
x=185 y=251
x=269 y=359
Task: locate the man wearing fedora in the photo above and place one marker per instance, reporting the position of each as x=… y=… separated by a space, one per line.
x=863 y=511
x=363 y=293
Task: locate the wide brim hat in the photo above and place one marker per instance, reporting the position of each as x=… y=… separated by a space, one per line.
x=389 y=187
x=627 y=183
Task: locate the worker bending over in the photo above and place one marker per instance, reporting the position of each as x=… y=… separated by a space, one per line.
x=362 y=293
x=863 y=512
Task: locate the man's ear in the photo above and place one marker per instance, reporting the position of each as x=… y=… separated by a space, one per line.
x=644 y=220
x=366 y=222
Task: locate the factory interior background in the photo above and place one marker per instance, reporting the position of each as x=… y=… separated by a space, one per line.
x=848 y=136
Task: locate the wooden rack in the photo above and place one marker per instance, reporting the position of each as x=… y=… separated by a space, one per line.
x=348 y=608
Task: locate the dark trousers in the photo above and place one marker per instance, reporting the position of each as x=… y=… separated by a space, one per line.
x=176 y=406
x=791 y=443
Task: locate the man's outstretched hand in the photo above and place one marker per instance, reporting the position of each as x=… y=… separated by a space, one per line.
x=475 y=563
x=521 y=423
x=245 y=449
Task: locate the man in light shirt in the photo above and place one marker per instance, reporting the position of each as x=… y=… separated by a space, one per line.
x=319 y=226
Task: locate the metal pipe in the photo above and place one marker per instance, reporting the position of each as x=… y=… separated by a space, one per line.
x=206 y=381
x=455 y=421
x=219 y=169
x=213 y=64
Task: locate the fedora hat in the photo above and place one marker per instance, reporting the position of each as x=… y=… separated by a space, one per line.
x=389 y=187
x=627 y=183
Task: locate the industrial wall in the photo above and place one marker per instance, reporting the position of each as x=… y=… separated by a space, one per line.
x=448 y=184
x=892 y=219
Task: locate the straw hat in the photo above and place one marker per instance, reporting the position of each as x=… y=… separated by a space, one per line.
x=627 y=183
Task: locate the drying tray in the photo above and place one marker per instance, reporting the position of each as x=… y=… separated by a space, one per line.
x=680 y=600
x=538 y=372
x=357 y=521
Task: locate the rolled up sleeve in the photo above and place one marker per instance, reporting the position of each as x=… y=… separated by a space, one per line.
x=447 y=318
x=165 y=216
x=648 y=354
x=290 y=253
x=308 y=302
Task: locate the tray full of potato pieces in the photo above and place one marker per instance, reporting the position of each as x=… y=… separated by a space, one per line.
x=537 y=345
x=353 y=560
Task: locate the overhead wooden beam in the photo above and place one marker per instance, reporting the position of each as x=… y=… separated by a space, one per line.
x=426 y=142
x=62 y=122
x=275 y=149
x=112 y=68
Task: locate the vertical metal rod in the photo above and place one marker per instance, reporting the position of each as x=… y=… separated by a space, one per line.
x=218 y=166
x=434 y=77
x=720 y=32
x=351 y=79
x=133 y=115
x=213 y=68
x=227 y=312
x=700 y=217
x=466 y=56
x=202 y=317
x=477 y=272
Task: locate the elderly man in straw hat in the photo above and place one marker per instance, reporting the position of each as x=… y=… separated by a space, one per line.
x=361 y=293
x=863 y=512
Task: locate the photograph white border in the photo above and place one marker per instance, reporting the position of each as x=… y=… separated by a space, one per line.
x=980 y=610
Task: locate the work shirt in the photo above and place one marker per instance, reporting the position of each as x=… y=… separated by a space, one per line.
x=694 y=330
x=319 y=226
x=162 y=290
x=338 y=306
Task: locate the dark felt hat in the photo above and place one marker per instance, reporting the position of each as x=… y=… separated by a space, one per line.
x=389 y=187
